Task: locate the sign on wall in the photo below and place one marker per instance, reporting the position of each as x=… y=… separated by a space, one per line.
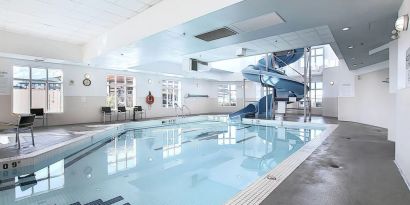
x=346 y=90
x=4 y=81
x=407 y=76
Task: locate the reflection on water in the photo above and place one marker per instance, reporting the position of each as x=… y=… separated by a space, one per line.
x=228 y=137
x=172 y=142
x=42 y=181
x=121 y=154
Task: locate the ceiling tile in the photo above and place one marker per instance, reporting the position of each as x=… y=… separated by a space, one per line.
x=76 y=20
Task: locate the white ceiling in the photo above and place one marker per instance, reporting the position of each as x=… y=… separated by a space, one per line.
x=78 y=21
x=73 y=21
x=299 y=39
x=174 y=47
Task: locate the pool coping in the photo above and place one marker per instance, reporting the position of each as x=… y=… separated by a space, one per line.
x=260 y=189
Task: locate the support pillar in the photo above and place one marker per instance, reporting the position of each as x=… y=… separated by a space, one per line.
x=305 y=84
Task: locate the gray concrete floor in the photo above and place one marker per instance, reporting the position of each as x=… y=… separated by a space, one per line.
x=44 y=137
x=367 y=173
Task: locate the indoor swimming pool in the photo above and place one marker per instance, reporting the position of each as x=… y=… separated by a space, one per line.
x=206 y=162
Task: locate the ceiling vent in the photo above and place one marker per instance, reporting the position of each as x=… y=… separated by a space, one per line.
x=197 y=65
x=216 y=34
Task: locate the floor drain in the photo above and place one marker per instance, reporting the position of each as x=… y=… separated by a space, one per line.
x=335 y=166
x=271 y=177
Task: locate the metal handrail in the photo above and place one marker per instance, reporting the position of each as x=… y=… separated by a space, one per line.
x=176 y=109
x=189 y=110
x=181 y=108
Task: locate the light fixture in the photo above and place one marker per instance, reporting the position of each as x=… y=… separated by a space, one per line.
x=149 y=81
x=350 y=47
x=332 y=83
x=87 y=76
x=353 y=58
x=345 y=28
x=395 y=34
x=402 y=23
x=354 y=65
x=39 y=60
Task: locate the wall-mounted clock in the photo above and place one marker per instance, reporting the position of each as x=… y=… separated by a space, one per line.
x=86 y=82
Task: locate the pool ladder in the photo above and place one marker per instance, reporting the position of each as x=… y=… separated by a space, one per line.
x=181 y=110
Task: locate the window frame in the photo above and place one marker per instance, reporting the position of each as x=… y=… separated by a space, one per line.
x=229 y=94
x=313 y=58
x=314 y=97
x=125 y=86
x=167 y=88
x=47 y=87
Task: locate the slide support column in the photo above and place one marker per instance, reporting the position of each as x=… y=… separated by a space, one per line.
x=310 y=84
x=305 y=83
x=244 y=95
x=266 y=88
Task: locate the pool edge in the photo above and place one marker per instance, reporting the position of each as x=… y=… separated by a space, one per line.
x=260 y=189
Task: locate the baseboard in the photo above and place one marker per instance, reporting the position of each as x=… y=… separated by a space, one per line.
x=402 y=175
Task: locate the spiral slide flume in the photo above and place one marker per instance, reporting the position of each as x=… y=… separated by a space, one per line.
x=285 y=86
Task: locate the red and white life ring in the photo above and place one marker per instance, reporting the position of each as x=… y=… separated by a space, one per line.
x=149 y=99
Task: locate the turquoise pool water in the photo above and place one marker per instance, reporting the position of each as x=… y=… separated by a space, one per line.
x=201 y=163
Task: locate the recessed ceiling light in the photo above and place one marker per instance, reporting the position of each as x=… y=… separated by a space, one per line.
x=350 y=47
x=345 y=28
x=354 y=65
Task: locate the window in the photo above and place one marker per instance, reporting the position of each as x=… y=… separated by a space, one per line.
x=227 y=95
x=120 y=91
x=317 y=59
x=317 y=94
x=37 y=88
x=171 y=93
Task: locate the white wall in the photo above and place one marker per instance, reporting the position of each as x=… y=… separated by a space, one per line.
x=402 y=101
x=372 y=104
x=343 y=87
x=82 y=104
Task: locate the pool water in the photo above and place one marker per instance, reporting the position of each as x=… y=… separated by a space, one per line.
x=201 y=163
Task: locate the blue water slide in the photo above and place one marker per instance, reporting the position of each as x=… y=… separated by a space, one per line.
x=284 y=86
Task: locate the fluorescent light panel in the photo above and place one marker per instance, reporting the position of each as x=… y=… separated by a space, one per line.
x=259 y=22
